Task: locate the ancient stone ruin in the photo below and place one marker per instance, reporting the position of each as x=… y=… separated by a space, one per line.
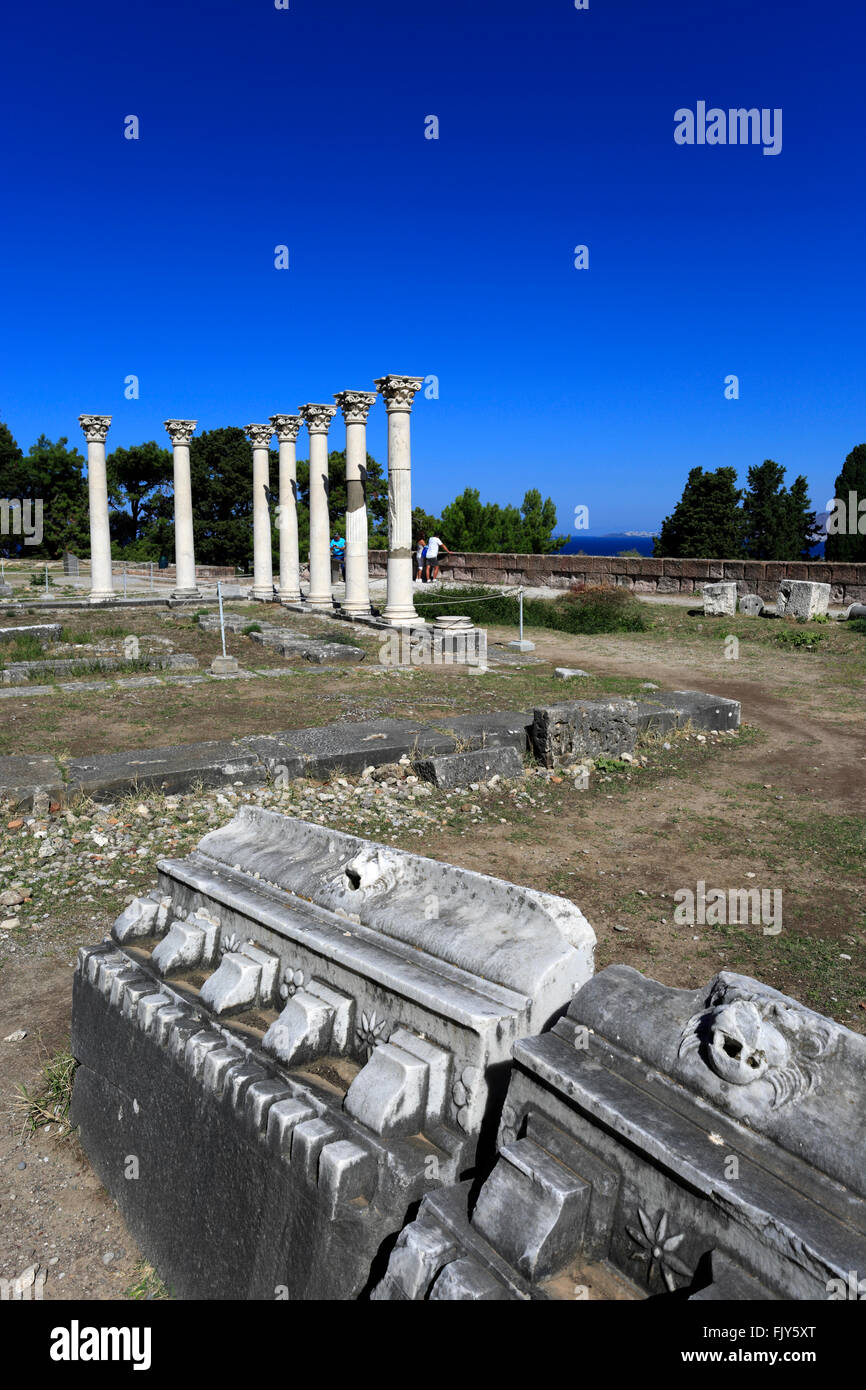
x=398 y=392
x=304 y=1024
x=345 y=1071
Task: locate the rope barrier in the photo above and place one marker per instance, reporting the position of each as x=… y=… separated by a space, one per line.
x=488 y=598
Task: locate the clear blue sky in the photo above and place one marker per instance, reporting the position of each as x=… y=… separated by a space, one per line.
x=454 y=257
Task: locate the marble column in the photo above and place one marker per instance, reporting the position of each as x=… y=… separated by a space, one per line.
x=355 y=406
x=263 y=564
x=286 y=429
x=398 y=393
x=318 y=421
x=180 y=432
x=95 y=430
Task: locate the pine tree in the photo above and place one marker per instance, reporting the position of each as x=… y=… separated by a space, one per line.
x=766 y=513
x=221 y=476
x=802 y=522
x=51 y=475
x=778 y=523
x=706 y=522
x=140 y=490
x=848 y=543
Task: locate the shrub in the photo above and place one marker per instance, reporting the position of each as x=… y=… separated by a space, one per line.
x=798 y=638
x=581 y=610
x=599 y=608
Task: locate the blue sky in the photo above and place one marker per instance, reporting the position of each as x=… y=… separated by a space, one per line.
x=449 y=257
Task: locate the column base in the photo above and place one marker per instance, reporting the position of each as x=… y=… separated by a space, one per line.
x=263 y=595
x=323 y=605
x=186 y=593
x=102 y=596
x=403 y=617
x=289 y=595
x=356 y=610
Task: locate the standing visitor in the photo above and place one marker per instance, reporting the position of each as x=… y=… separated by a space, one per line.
x=338 y=550
x=420 y=549
x=434 y=545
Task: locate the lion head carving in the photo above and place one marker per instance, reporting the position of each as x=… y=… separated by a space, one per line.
x=748 y=1037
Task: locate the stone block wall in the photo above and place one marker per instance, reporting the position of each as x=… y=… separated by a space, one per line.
x=644 y=575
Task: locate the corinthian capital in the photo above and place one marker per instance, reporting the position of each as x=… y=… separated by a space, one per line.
x=317 y=417
x=95 y=427
x=180 y=431
x=259 y=435
x=286 y=427
x=355 y=405
x=398 y=392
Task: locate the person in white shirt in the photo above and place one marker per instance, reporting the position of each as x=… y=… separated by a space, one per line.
x=434 y=545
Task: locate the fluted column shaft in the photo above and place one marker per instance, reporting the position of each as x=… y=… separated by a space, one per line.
x=398 y=393
x=318 y=420
x=95 y=429
x=263 y=564
x=180 y=432
x=355 y=406
x=286 y=428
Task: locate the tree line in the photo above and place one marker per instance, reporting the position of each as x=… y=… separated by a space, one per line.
x=714 y=519
x=141 y=506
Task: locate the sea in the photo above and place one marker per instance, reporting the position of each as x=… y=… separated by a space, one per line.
x=607 y=545
x=616 y=542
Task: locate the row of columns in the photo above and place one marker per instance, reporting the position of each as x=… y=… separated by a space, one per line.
x=398 y=392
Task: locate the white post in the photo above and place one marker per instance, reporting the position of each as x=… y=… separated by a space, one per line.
x=318 y=421
x=180 y=433
x=399 y=393
x=286 y=428
x=355 y=406
x=95 y=431
x=263 y=564
x=222 y=619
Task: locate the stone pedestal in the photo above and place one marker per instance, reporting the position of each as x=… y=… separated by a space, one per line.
x=800 y=598
x=263 y=565
x=95 y=431
x=398 y=393
x=180 y=432
x=318 y=421
x=286 y=428
x=720 y=600
x=355 y=406
x=224 y=666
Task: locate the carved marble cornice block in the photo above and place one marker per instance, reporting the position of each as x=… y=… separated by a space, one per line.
x=347 y=1008
x=660 y=1140
x=468 y=961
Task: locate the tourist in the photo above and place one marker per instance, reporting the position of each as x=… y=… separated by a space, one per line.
x=338 y=550
x=434 y=545
x=420 y=552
